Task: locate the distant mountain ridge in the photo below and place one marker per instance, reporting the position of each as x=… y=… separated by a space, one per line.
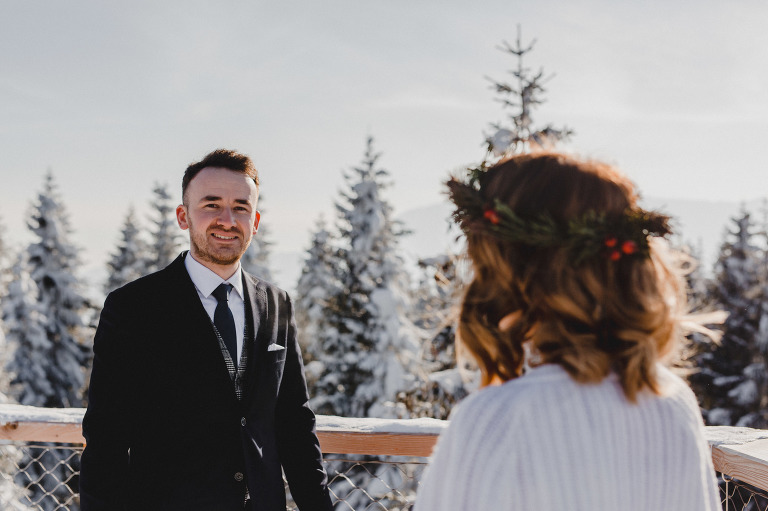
x=699 y=224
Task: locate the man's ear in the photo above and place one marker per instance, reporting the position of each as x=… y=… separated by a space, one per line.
x=181 y=216
x=256 y=222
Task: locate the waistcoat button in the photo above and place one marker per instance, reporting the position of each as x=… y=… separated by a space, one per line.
x=238 y=476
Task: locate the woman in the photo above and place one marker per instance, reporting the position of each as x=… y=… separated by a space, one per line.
x=571 y=281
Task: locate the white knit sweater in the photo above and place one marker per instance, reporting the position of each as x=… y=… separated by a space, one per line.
x=544 y=442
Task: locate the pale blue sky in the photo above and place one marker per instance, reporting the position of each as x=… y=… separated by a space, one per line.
x=114 y=96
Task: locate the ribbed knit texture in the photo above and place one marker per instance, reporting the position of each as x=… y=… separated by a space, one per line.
x=544 y=442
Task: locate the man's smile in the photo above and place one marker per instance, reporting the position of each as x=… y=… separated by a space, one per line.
x=222 y=237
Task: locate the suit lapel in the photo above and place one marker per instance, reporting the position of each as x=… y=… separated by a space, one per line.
x=259 y=309
x=196 y=326
x=186 y=301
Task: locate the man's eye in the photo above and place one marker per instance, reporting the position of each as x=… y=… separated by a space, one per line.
x=211 y=206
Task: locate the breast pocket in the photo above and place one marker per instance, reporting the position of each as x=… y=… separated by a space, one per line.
x=275 y=361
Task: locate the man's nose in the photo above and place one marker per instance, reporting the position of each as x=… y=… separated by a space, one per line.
x=226 y=217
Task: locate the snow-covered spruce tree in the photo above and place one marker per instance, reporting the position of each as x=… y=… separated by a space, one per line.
x=256 y=259
x=53 y=263
x=317 y=283
x=52 y=373
x=3 y=246
x=4 y=281
x=11 y=494
x=697 y=282
x=25 y=324
x=698 y=287
x=440 y=384
x=6 y=259
x=366 y=351
x=164 y=243
x=731 y=382
x=521 y=95
x=369 y=359
x=128 y=262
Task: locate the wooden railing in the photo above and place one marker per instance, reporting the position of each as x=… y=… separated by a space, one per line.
x=741 y=453
x=337 y=435
x=747 y=462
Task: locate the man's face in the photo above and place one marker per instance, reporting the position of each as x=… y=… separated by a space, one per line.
x=220 y=212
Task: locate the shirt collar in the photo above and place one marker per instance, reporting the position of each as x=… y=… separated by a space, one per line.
x=206 y=281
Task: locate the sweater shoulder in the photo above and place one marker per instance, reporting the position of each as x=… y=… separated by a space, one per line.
x=512 y=400
x=522 y=399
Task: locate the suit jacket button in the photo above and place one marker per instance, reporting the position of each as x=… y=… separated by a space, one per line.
x=238 y=476
x=242 y=421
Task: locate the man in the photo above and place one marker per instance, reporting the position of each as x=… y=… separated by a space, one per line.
x=197 y=396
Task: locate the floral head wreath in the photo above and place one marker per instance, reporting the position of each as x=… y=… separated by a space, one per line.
x=590 y=235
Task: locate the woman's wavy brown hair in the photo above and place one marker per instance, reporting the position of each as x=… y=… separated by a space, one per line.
x=591 y=319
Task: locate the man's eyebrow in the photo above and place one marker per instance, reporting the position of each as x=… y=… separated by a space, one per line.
x=216 y=198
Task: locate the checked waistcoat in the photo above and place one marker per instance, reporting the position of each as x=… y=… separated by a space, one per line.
x=238 y=374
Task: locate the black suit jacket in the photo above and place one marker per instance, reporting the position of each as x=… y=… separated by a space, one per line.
x=164 y=429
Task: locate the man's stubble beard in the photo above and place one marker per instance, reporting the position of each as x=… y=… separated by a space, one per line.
x=201 y=249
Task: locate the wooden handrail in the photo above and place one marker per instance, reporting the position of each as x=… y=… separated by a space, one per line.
x=395 y=437
x=747 y=462
x=32 y=424
x=337 y=435
x=744 y=458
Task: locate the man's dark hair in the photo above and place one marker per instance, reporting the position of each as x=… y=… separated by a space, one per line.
x=223 y=158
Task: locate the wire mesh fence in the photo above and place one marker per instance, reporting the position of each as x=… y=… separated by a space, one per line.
x=738 y=496
x=44 y=477
x=39 y=476
x=368 y=483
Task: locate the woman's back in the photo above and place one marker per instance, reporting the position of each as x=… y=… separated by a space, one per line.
x=543 y=441
x=569 y=269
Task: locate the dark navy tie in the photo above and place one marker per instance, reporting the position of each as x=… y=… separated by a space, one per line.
x=224 y=321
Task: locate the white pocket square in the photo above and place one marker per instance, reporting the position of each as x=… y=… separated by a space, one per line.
x=275 y=347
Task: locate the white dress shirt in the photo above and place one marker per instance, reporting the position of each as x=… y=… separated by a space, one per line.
x=206 y=281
